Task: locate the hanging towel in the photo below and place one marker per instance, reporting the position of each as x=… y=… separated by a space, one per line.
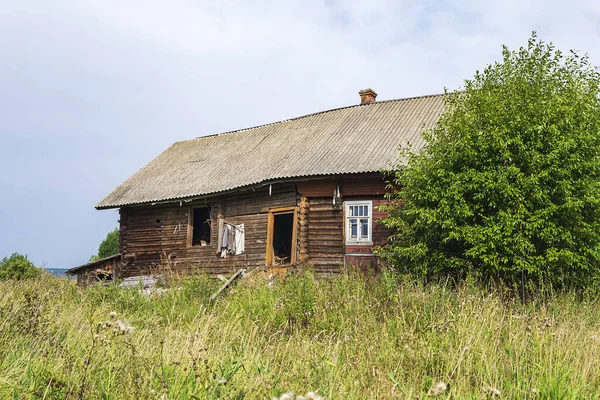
x=231 y=239
x=239 y=239
x=225 y=242
x=219 y=234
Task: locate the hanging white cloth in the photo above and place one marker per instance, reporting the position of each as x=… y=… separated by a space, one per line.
x=239 y=239
x=231 y=240
x=225 y=242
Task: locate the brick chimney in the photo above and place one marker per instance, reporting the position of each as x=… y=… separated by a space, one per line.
x=367 y=96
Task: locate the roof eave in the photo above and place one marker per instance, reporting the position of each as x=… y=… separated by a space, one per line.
x=200 y=196
x=72 y=271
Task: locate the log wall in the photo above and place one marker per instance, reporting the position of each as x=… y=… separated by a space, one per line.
x=152 y=236
x=325 y=243
x=157 y=235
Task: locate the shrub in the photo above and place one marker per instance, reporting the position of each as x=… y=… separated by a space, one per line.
x=507 y=188
x=109 y=246
x=17 y=266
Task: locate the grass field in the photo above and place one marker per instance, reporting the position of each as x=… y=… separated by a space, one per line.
x=342 y=338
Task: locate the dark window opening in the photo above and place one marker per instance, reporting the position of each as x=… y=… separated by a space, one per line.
x=283 y=226
x=201 y=227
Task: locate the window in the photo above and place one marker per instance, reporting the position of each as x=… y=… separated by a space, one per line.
x=199 y=227
x=358 y=221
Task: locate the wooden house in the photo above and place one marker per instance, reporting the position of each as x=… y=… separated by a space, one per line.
x=303 y=190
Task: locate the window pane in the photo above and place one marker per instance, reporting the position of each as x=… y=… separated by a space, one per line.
x=364 y=228
x=353 y=228
x=351 y=211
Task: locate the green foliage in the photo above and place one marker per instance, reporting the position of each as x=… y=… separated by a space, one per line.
x=109 y=246
x=508 y=186
x=17 y=266
x=298 y=296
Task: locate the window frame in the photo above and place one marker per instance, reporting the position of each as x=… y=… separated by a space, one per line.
x=358 y=241
x=190 y=226
x=269 y=256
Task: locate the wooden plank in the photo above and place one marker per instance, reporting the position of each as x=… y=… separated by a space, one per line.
x=227 y=283
x=294 y=236
x=269 y=248
x=190 y=227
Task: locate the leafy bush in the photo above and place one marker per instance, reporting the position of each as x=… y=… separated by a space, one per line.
x=507 y=188
x=17 y=266
x=109 y=246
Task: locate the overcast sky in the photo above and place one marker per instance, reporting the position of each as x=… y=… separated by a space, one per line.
x=90 y=91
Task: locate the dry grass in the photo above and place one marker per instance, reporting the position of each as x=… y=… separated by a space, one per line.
x=344 y=338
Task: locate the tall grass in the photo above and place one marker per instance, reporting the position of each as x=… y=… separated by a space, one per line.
x=344 y=338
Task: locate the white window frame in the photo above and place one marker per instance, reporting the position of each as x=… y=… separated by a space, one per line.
x=358 y=241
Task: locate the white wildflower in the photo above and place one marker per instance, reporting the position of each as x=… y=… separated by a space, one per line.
x=287 y=396
x=113 y=314
x=222 y=381
x=125 y=327
x=437 y=389
x=491 y=391
x=313 y=396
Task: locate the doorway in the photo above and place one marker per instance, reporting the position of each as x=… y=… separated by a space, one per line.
x=281 y=237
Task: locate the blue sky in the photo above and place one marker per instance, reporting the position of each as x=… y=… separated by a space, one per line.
x=90 y=91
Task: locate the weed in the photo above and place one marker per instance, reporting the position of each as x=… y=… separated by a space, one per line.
x=345 y=337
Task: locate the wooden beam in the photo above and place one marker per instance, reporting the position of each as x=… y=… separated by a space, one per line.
x=227 y=283
x=270 y=226
x=190 y=227
x=294 y=236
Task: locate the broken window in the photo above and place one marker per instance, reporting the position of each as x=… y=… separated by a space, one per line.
x=200 y=223
x=358 y=222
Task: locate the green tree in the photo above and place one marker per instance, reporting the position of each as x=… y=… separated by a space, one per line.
x=17 y=267
x=109 y=246
x=507 y=187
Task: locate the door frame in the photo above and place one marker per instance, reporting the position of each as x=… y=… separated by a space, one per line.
x=269 y=259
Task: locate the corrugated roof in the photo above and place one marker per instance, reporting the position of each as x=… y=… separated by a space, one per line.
x=355 y=139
